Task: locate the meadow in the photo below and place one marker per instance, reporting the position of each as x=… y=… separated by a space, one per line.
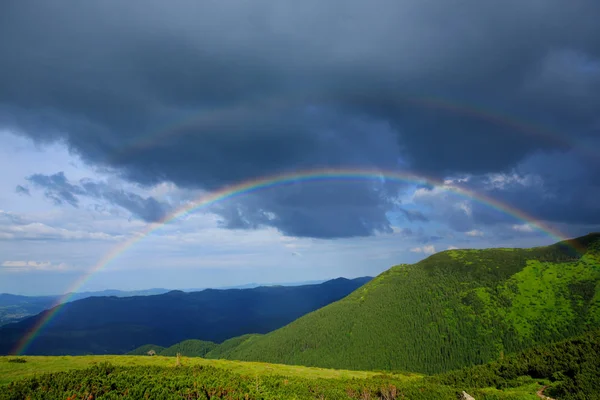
x=83 y=377
x=36 y=365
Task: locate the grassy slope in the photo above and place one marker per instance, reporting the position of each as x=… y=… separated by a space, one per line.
x=453 y=309
x=36 y=365
x=569 y=368
x=135 y=376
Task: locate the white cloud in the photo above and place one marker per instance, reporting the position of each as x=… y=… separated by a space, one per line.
x=455 y=180
x=28 y=266
x=474 y=233
x=501 y=181
x=522 y=228
x=452 y=248
x=466 y=207
x=40 y=231
x=429 y=249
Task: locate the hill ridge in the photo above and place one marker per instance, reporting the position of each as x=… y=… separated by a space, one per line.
x=453 y=309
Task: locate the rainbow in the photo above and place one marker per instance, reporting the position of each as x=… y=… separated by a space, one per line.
x=211 y=117
x=263 y=183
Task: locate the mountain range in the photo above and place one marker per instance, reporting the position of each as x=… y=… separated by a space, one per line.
x=14 y=307
x=114 y=325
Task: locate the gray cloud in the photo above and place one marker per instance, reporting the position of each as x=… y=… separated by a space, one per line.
x=60 y=190
x=22 y=190
x=207 y=94
x=550 y=187
x=414 y=215
x=57 y=188
x=316 y=209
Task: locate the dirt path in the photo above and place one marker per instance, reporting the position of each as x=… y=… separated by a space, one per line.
x=540 y=394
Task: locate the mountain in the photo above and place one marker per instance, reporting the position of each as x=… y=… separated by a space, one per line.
x=117 y=293
x=253 y=285
x=14 y=308
x=143 y=350
x=454 y=309
x=115 y=325
x=223 y=350
x=189 y=348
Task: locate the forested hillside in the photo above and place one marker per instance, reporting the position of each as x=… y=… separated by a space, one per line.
x=144 y=349
x=112 y=325
x=223 y=350
x=572 y=366
x=189 y=348
x=195 y=348
x=454 y=309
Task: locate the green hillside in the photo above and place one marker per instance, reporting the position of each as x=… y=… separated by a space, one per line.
x=454 y=309
x=189 y=348
x=572 y=365
x=143 y=350
x=223 y=350
x=195 y=348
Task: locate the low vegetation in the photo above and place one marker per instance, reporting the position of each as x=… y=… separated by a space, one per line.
x=193 y=380
x=567 y=370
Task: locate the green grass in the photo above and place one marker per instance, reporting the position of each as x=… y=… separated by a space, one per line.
x=569 y=369
x=36 y=365
x=49 y=377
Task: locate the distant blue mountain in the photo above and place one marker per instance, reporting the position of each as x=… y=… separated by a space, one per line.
x=116 y=325
x=14 y=307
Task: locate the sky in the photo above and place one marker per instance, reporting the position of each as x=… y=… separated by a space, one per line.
x=115 y=115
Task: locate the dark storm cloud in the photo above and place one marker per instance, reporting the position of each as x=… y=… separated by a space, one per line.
x=549 y=187
x=316 y=209
x=60 y=190
x=273 y=86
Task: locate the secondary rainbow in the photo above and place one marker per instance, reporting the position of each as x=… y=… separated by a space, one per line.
x=263 y=183
x=207 y=118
